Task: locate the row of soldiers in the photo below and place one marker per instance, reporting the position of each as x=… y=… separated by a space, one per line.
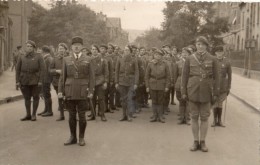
x=101 y=75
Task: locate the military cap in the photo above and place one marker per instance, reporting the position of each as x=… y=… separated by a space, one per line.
x=76 y=39
x=192 y=47
x=158 y=51
x=166 y=45
x=46 y=49
x=187 y=49
x=134 y=46
x=103 y=46
x=31 y=43
x=111 y=45
x=63 y=45
x=94 y=45
x=203 y=40
x=218 y=48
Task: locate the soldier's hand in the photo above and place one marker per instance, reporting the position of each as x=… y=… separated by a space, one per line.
x=184 y=97
x=60 y=95
x=39 y=84
x=215 y=98
x=135 y=87
x=105 y=86
x=166 y=89
x=18 y=85
x=147 y=90
x=58 y=71
x=116 y=86
x=41 y=96
x=90 y=96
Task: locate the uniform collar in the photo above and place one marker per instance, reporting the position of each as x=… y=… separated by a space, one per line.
x=75 y=55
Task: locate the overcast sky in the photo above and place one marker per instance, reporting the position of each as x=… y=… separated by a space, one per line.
x=134 y=15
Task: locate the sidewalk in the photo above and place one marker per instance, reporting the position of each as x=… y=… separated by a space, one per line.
x=246 y=90
x=8 y=93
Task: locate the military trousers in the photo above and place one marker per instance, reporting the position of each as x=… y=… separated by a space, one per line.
x=60 y=100
x=99 y=97
x=199 y=110
x=157 y=97
x=127 y=95
x=219 y=103
x=183 y=106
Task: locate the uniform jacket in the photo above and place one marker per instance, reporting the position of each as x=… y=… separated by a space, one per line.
x=197 y=82
x=30 y=69
x=77 y=78
x=127 y=72
x=157 y=76
x=101 y=70
x=48 y=60
x=141 y=67
x=110 y=67
x=225 y=72
x=178 y=74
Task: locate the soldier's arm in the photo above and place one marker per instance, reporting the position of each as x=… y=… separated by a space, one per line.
x=229 y=72
x=185 y=77
x=105 y=71
x=53 y=68
x=62 y=78
x=168 y=76
x=117 y=71
x=91 y=78
x=175 y=72
x=18 y=69
x=136 y=73
x=216 y=77
x=110 y=67
x=50 y=65
x=147 y=75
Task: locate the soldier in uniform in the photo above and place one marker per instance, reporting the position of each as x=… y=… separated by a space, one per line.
x=225 y=72
x=126 y=79
x=101 y=81
x=76 y=84
x=56 y=72
x=199 y=72
x=47 y=79
x=183 y=105
x=29 y=75
x=157 y=80
x=118 y=54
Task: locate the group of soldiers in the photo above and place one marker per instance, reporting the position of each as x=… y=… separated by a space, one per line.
x=110 y=77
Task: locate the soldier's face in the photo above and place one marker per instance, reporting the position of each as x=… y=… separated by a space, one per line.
x=103 y=50
x=174 y=51
x=94 y=50
x=110 y=49
x=201 y=47
x=167 y=49
x=116 y=50
x=142 y=51
x=157 y=56
x=184 y=54
x=61 y=49
x=220 y=54
x=29 y=48
x=76 y=47
x=127 y=51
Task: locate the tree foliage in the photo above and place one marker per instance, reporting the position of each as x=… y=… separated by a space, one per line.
x=65 y=20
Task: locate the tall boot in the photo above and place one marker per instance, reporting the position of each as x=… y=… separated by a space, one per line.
x=154 y=117
x=219 y=118
x=49 y=110
x=45 y=108
x=215 y=115
x=73 y=129
x=35 y=107
x=28 y=110
x=160 y=113
x=82 y=128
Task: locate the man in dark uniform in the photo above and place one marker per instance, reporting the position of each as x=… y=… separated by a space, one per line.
x=117 y=53
x=126 y=79
x=101 y=81
x=56 y=72
x=225 y=72
x=29 y=75
x=199 y=72
x=76 y=84
x=47 y=79
x=103 y=51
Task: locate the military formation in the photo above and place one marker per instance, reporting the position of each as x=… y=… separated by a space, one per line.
x=105 y=78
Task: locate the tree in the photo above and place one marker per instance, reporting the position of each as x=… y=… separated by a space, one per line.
x=184 y=21
x=66 y=20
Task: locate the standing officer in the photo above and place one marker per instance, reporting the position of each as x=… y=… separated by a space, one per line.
x=183 y=105
x=29 y=75
x=126 y=79
x=199 y=72
x=47 y=79
x=56 y=72
x=157 y=80
x=101 y=81
x=76 y=84
x=225 y=72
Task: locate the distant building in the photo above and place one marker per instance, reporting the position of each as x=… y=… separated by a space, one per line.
x=113 y=25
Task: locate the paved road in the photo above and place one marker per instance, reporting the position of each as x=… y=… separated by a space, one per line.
x=122 y=143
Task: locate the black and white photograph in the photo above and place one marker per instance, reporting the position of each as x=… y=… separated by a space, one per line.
x=129 y=82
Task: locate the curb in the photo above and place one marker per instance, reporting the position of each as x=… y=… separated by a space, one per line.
x=11 y=99
x=257 y=109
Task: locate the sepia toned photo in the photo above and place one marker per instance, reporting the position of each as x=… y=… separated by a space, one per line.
x=129 y=82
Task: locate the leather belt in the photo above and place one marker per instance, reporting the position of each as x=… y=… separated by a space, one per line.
x=158 y=78
x=204 y=76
